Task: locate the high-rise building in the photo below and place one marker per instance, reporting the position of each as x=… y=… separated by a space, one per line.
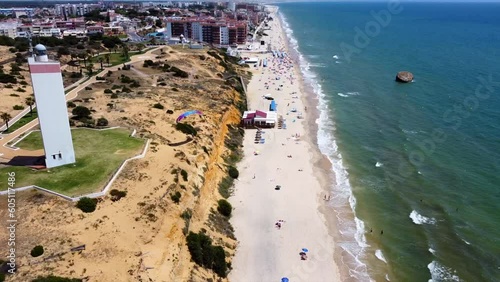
x=51 y=107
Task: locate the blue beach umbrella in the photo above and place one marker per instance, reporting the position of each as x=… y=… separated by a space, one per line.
x=284 y=279
x=305 y=250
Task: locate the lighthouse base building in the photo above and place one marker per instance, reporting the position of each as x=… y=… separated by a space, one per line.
x=51 y=107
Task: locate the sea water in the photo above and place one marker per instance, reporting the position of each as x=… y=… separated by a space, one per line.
x=417 y=163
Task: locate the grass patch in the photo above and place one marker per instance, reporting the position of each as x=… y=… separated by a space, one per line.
x=22 y=121
x=98 y=155
x=114 y=59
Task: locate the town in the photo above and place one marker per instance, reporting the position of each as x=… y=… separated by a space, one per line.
x=220 y=24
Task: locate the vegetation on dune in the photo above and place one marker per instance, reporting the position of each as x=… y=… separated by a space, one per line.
x=87 y=205
x=37 y=251
x=205 y=254
x=52 y=278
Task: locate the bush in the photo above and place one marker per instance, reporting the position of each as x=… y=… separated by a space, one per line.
x=224 y=207
x=19 y=89
x=70 y=104
x=117 y=194
x=233 y=172
x=88 y=88
x=185 y=128
x=18 y=107
x=158 y=106
x=52 y=278
x=114 y=96
x=125 y=89
x=170 y=112
x=102 y=122
x=108 y=91
x=184 y=175
x=37 y=251
x=203 y=253
x=81 y=112
x=100 y=78
x=87 y=205
x=176 y=197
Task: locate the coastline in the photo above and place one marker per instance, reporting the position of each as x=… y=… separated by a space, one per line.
x=265 y=253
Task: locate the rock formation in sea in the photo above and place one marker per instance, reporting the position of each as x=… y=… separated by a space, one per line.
x=404 y=76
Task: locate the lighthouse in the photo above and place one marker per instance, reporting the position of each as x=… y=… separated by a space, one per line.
x=51 y=107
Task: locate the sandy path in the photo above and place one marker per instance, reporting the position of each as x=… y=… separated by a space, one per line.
x=266 y=253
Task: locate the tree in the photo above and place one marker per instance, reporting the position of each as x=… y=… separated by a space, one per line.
x=81 y=112
x=125 y=51
x=101 y=60
x=108 y=18
x=90 y=68
x=107 y=57
x=29 y=102
x=6 y=118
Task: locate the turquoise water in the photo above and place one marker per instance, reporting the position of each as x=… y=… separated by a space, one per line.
x=421 y=159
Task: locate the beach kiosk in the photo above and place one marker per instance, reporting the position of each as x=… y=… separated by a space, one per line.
x=272 y=106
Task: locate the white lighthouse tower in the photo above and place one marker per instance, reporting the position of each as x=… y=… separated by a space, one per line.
x=51 y=107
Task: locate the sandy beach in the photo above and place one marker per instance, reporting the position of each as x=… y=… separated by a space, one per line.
x=269 y=251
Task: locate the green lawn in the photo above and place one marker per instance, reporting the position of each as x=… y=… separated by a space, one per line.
x=114 y=59
x=98 y=155
x=22 y=121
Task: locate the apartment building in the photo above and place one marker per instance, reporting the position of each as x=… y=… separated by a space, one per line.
x=209 y=30
x=75 y=9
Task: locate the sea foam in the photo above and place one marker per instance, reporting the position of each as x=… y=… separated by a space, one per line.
x=440 y=272
x=380 y=255
x=420 y=219
x=352 y=232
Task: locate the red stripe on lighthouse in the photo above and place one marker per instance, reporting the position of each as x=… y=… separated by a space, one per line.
x=48 y=68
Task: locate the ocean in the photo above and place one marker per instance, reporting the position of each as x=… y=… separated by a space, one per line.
x=417 y=163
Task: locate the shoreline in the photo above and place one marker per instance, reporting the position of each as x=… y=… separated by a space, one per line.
x=325 y=257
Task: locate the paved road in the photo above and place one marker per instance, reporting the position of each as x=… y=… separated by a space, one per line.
x=7 y=153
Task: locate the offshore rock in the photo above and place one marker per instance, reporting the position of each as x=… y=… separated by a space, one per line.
x=404 y=76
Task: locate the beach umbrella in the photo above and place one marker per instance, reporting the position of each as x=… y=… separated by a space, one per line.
x=305 y=250
x=284 y=279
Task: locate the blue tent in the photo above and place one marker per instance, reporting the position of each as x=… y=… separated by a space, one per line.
x=273 y=106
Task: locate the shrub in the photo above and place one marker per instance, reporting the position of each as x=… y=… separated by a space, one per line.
x=135 y=84
x=114 y=96
x=23 y=83
x=203 y=253
x=37 y=251
x=117 y=194
x=125 y=89
x=185 y=128
x=87 y=205
x=81 y=112
x=88 y=88
x=18 y=107
x=7 y=78
x=158 y=106
x=70 y=104
x=176 y=197
x=14 y=95
x=100 y=78
x=19 y=89
x=184 y=175
x=52 y=278
x=233 y=172
x=224 y=207
x=170 y=112
x=108 y=91
x=102 y=122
